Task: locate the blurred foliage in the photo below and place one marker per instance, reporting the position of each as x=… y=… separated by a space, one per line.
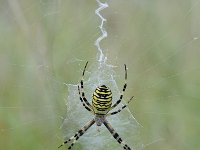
x=45 y=43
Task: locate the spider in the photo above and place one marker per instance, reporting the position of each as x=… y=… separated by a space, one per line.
x=100 y=108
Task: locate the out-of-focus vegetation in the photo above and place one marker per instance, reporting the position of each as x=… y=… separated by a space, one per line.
x=44 y=44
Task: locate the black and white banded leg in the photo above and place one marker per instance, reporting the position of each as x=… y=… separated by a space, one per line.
x=78 y=134
x=82 y=88
x=116 y=136
x=124 y=88
x=119 y=110
x=84 y=104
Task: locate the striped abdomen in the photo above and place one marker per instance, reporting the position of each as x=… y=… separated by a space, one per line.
x=102 y=100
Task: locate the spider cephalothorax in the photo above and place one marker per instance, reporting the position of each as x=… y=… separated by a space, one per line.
x=101 y=105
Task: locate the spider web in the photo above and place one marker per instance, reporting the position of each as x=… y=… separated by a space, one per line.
x=39 y=52
x=100 y=73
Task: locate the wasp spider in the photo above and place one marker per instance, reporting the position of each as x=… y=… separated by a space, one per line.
x=100 y=108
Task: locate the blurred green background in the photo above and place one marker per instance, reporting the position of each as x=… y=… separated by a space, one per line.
x=45 y=43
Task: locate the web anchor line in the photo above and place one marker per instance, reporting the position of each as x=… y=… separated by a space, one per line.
x=100 y=56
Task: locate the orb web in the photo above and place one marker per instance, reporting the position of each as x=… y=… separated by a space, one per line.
x=100 y=73
x=162 y=43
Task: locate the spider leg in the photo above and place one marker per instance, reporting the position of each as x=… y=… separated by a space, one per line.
x=119 y=110
x=116 y=135
x=84 y=105
x=124 y=88
x=78 y=134
x=82 y=89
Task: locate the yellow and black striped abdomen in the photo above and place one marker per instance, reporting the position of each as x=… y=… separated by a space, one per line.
x=102 y=100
